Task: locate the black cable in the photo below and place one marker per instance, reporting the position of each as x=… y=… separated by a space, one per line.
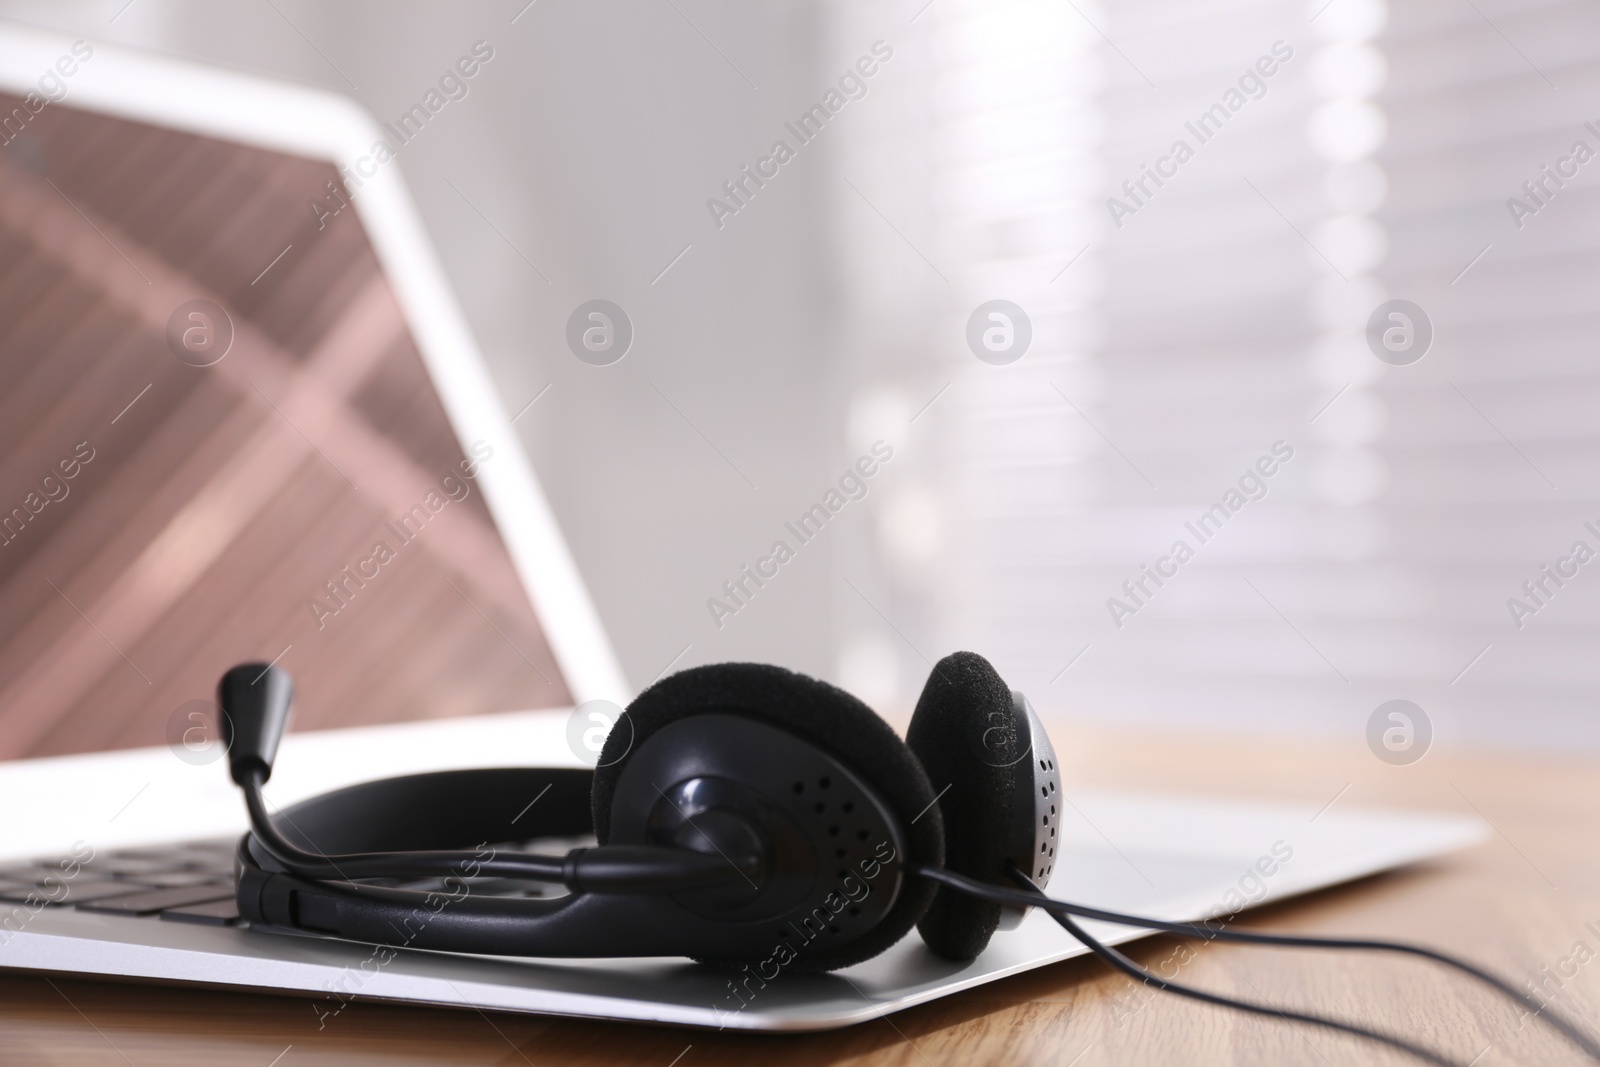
x=1133 y=970
x=1015 y=898
x=1566 y=1027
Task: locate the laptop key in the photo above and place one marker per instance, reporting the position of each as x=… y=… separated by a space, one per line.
x=134 y=869
x=179 y=879
x=217 y=870
x=23 y=873
x=154 y=900
x=28 y=894
x=52 y=875
x=94 y=891
x=158 y=854
x=76 y=892
x=212 y=913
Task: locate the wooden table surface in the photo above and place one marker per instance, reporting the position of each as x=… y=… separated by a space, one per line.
x=1519 y=903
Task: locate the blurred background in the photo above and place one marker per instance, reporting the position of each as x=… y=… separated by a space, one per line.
x=1182 y=325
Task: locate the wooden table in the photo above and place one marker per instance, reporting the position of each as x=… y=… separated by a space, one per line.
x=1518 y=903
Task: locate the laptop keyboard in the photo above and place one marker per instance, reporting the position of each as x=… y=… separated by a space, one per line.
x=190 y=882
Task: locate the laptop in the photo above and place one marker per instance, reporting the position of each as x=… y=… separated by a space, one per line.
x=242 y=418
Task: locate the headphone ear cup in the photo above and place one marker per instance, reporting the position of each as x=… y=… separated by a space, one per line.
x=964 y=697
x=826 y=717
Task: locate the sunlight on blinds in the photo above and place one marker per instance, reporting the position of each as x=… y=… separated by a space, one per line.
x=1304 y=422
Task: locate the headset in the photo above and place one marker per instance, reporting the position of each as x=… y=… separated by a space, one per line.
x=745 y=816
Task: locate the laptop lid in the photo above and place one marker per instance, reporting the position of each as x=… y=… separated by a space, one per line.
x=242 y=418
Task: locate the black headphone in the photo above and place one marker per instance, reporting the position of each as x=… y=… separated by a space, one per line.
x=738 y=807
x=744 y=814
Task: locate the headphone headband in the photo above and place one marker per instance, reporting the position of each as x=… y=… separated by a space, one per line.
x=440 y=810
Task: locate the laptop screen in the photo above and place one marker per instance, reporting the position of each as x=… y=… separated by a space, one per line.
x=219 y=443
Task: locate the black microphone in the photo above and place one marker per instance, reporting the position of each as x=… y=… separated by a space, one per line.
x=255 y=700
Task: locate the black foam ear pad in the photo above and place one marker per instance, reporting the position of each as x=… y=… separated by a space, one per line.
x=964 y=697
x=822 y=715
